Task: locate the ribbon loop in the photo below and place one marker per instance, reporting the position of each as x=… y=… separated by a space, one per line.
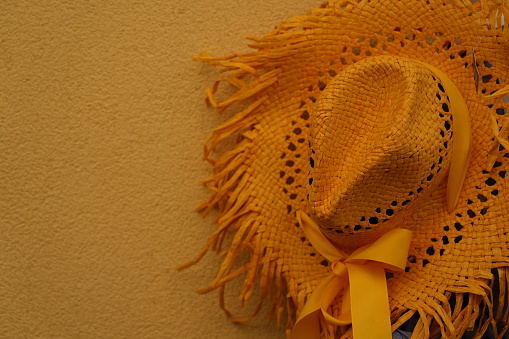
x=361 y=278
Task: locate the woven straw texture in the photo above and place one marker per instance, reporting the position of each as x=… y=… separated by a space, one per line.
x=259 y=185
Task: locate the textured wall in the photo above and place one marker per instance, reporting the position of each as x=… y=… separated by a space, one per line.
x=101 y=122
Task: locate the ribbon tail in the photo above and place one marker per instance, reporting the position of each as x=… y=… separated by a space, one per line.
x=308 y=323
x=369 y=302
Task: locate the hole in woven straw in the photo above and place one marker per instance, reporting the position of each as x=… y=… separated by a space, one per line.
x=282 y=174
x=356 y=50
x=429 y=40
x=297 y=131
x=305 y=115
x=389 y=275
x=441 y=88
x=373 y=43
x=458 y=42
x=486 y=78
x=425 y=262
x=332 y=73
x=462 y=53
x=310 y=181
x=501 y=111
x=445 y=240
x=397 y=29
x=324 y=263
x=439 y=34
x=447 y=124
x=447 y=45
x=458 y=239
x=357 y=227
x=430 y=250
x=410 y=36
x=458 y=226
x=412 y=259
x=289 y=208
x=484 y=210
x=290 y=180
x=311 y=162
x=487 y=64
x=390 y=37
x=471 y=213
x=373 y=220
x=394 y=203
x=494 y=192
x=452 y=56
x=442 y=251
x=502 y=174
x=469 y=202
x=482 y=198
x=490 y=181
x=321 y=85
x=368 y=53
x=498 y=81
x=290 y=163
x=292 y=147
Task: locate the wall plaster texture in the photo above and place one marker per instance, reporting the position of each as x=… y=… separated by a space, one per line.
x=102 y=118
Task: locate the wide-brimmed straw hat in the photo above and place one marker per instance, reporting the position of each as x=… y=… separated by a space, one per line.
x=368 y=184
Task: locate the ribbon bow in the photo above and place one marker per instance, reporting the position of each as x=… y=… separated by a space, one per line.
x=365 y=302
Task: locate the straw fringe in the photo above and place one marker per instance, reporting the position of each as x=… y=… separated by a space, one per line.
x=499 y=124
x=231 y=185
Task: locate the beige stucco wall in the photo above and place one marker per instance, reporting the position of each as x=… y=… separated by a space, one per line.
x=101 y=122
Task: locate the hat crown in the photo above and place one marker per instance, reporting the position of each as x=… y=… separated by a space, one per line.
x=381 y=137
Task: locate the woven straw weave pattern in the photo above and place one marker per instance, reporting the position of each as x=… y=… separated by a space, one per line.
x=260 y=183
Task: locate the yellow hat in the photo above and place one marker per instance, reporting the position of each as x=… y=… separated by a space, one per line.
x=375 y=143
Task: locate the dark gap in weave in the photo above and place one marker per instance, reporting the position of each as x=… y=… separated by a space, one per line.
x=486 y=78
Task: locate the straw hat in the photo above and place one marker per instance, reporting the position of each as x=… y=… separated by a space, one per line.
x=368 y=184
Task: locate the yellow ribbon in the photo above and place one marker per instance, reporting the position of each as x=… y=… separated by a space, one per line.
x=462 y=140
x=365 y=302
